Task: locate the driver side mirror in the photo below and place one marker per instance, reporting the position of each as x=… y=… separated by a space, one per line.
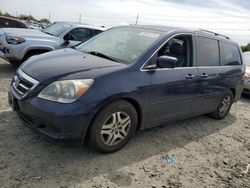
x=167 y=62
x=67 y=38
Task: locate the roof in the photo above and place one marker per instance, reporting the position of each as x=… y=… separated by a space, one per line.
x=14 y=19
x=183 y=30
x=84 y=25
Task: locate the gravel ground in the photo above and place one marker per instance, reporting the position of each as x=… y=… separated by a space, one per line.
x=207 y=153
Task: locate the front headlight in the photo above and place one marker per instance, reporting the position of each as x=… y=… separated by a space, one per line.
x=66 y=91
x=14 y=40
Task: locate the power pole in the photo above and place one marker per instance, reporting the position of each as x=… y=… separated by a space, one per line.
x=80 y=18
x=49 y=16
x=137 y=18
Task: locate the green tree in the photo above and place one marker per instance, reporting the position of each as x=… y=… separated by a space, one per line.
x=7 y=14
x=44 y=20
x=245 y=48
x=27 y=17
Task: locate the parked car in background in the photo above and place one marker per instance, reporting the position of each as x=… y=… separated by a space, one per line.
x=246 y=56
x=126 y=79
x=6 y=22
x=17 y=45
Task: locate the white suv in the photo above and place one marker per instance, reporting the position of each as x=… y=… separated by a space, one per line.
x=17 y=45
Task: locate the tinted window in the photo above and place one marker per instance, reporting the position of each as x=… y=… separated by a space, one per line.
x=207 y=52
x=95 y=32
x=179 y=47
x=231 y=54
x=80 y=34
x=11 y=23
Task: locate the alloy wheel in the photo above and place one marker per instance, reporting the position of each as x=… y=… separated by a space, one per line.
x=115 y=128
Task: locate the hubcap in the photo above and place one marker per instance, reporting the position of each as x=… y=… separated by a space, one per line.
x=115 y=128
x=225 y=104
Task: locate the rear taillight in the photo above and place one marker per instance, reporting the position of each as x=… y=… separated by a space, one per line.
x=245 y=76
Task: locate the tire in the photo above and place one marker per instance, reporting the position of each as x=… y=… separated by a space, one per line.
x=15 y=64
x=224 y=106
x=108 y=134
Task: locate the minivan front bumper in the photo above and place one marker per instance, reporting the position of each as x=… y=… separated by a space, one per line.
x=58 y=123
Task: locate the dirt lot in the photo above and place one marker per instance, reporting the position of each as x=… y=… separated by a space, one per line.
x=208 y=153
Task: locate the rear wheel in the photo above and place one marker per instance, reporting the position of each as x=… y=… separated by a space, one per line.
x=113 y=127
x=223 y=107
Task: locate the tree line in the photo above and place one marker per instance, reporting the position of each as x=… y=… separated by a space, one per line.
x=24 y=17
x=245 y=48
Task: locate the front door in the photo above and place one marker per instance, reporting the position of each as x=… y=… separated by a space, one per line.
x=173 y=89
x=79 y=35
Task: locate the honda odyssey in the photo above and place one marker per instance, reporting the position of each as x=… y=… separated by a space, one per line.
x=126 y=79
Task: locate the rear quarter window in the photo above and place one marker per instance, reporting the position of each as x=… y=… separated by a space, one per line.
x=207 y=52
x=230 y=54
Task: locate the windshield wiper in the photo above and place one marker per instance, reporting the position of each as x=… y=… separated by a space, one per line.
x=101 y=55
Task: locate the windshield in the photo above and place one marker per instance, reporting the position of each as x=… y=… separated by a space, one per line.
x=56 y=29
x=121 y=44
x=247 y=58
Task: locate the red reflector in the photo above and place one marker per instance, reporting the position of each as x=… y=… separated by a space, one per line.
x=245 y=76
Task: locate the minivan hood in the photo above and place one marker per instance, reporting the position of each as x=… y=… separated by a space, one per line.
x=61 y=63
x=26 y=33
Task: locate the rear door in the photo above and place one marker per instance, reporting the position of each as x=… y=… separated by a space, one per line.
x=208 y=65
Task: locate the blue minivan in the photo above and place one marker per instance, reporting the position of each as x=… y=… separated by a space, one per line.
x=126 y=79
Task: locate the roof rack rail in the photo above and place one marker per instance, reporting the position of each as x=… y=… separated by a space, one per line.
x=211 y=32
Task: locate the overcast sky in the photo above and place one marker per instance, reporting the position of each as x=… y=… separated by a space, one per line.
x=230 y=17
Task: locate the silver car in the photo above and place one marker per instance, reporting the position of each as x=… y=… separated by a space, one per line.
x=246 y=56
x=17 y=45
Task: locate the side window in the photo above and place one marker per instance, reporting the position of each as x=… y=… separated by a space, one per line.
x=95 y=32
x=80 y=34
x=231 y=54
x=180 y=47
x=207 y=52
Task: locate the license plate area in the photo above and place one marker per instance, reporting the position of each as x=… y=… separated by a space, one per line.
x=12 y=102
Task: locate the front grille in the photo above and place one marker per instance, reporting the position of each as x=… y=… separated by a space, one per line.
x=23 y=83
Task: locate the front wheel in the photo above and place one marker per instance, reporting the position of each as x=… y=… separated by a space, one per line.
x=113 y=127
x=223 y=107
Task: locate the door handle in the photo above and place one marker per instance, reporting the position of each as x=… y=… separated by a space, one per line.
x=190 y=76
x=204 y=75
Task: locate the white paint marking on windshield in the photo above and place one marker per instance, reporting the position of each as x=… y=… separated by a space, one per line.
x=146 y=34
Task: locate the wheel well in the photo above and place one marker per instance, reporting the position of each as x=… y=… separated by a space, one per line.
x=138 y=109
x=33 y=52
x=233 y=91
